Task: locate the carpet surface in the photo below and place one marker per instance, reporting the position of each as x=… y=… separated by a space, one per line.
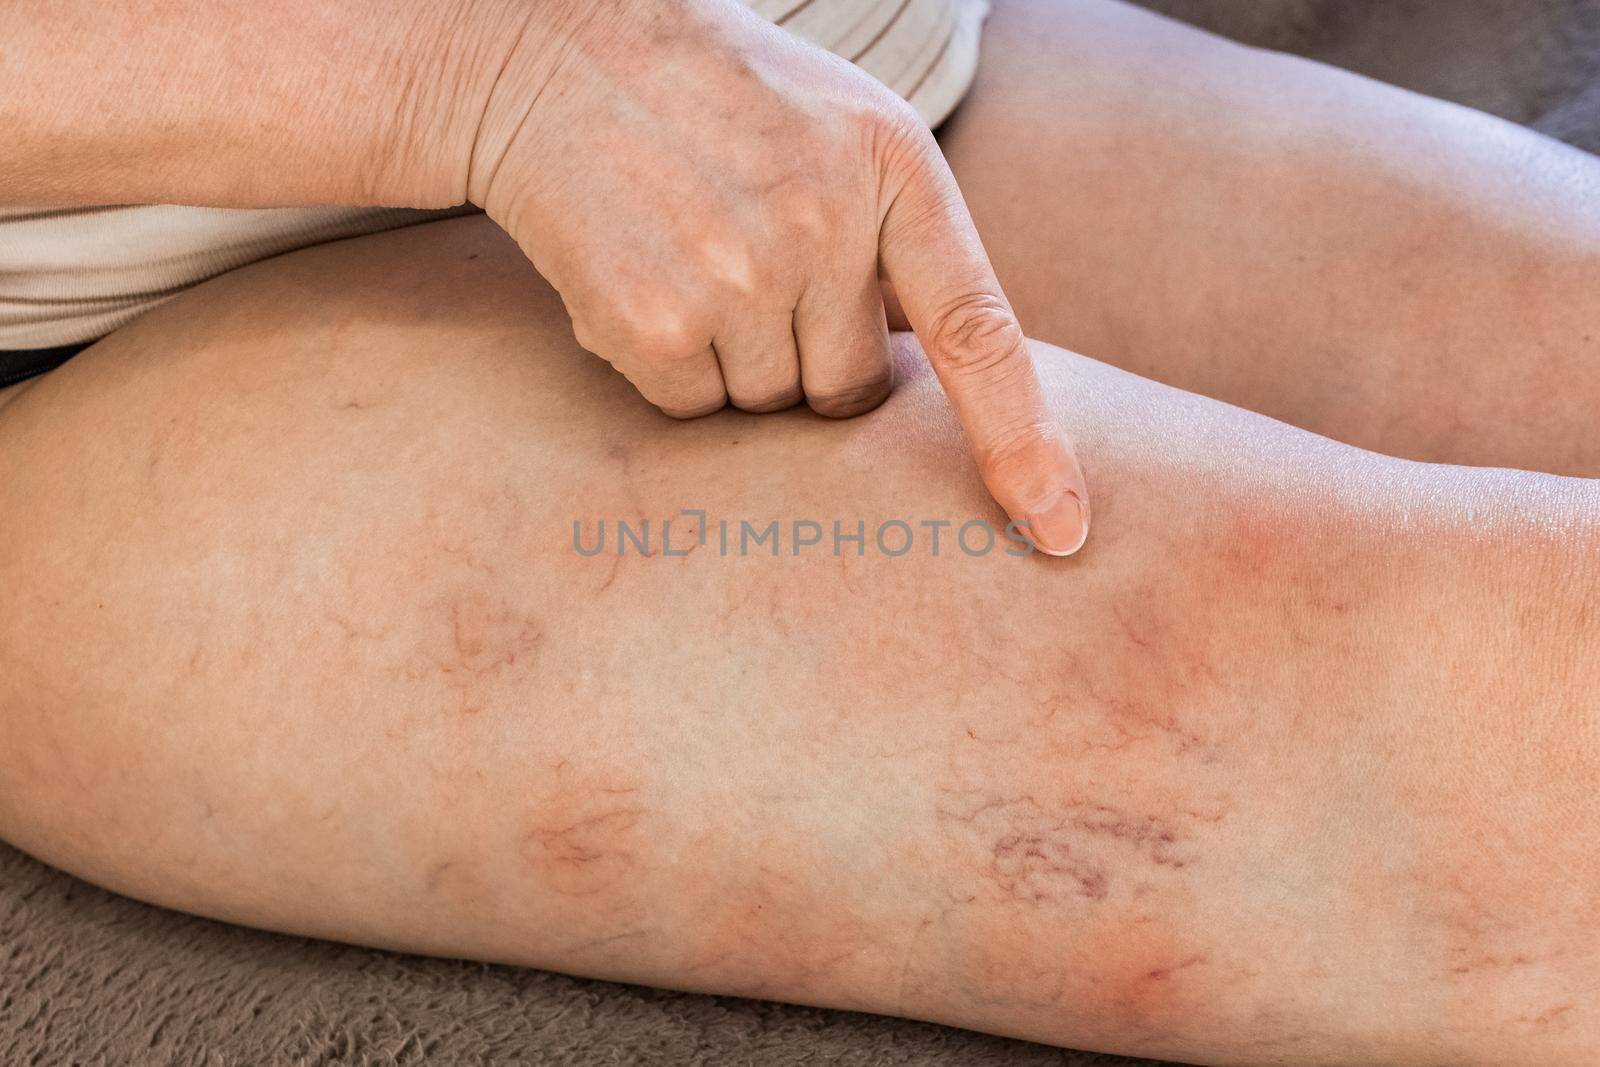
x=87 y=977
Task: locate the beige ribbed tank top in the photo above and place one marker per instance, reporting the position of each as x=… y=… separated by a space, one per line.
x=72 y=275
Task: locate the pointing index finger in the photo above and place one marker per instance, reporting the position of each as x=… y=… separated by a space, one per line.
x=933 y=257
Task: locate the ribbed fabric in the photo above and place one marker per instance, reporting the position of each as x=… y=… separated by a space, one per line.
x=72 y=275
x=924 y=50
x=75 y=275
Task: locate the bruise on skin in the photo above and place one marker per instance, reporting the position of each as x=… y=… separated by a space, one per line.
x=1064 y=852
x=1066 y=845
x=1063 y=891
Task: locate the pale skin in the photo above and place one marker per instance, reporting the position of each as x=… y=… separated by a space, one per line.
x=1395 y=272
x=1297 y=771
x=1295 y=768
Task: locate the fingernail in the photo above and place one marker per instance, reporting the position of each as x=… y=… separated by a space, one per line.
x=1060 y=526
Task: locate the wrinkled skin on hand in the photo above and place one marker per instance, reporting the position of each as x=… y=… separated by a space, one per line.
x=712 y=198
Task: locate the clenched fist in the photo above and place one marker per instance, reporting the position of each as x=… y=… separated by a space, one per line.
x=715 y=200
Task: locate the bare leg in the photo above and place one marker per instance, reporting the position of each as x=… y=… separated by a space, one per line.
x=1383 y=268
x=1295 y=767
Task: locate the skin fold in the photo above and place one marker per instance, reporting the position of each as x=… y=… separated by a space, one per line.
x=1297 y=769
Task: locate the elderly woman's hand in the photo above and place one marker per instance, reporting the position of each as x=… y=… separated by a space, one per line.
x=713 y=199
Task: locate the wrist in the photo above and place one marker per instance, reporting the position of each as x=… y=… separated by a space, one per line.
x=473 y=88
x=557 y=36
x=443 y=69
x=459 y=80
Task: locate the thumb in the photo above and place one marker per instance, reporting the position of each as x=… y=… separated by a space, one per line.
x=935 y=264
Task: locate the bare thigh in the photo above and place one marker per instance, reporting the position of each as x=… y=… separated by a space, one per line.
x=295 y=633
x=1390 y=270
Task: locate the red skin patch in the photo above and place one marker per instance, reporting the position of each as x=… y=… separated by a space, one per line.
x=772 y=933
x=1102 y=976
x=1150 y=977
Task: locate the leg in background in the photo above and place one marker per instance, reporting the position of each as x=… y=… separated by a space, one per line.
x=1383 y=268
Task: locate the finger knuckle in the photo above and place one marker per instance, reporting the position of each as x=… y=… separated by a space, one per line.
x=847 y=399
x=895 y=117
x=768 y=400
x=683 y=413
x=900 y=140
x=683 y=401
x=732 y=265
x=664 y=342
x=976 y=334
x=808 y=226
x=689 y=388
x=681 y=390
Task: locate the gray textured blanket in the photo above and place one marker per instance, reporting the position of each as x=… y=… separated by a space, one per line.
x=90 y=978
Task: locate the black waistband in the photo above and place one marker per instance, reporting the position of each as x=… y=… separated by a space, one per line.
x=25 y=363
